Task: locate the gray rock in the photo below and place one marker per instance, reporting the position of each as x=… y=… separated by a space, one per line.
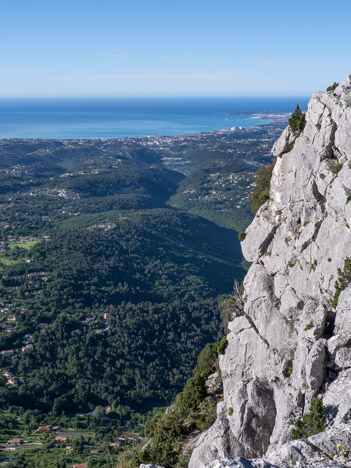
x=149 y=466
x=285 y=143
x=239 y=462
x=339 y=341
x=290 y=345
x=305 y=454
x=332 y=440
x=343 y=358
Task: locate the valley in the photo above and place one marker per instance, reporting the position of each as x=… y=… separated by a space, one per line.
x=114 y=257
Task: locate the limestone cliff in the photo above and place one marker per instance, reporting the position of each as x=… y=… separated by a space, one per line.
x=289 y=344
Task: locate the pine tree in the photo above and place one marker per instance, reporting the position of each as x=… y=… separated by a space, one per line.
x=312 y=422
x=297 y=120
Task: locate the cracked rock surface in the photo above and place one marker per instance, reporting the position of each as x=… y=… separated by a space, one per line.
x=290 y=345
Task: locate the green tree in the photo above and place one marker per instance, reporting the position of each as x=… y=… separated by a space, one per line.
x=344 y=279
x=297 y=120
x=333 y=86
x=98 y=413
x=312 y=422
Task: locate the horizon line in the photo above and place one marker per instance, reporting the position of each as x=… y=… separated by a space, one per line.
x=162 y=97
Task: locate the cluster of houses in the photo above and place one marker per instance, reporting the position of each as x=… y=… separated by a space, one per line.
x=9 y=311
x=22 y=239
x=104 y=226
x=13 y=444
x=11 y=352
x=91 y=320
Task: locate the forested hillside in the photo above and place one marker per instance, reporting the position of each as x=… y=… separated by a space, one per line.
x=110 y=279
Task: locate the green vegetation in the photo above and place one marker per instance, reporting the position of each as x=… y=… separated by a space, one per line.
x=333 y=86
x=220 y=175
x=24 y=245
x=118 y=323
x=194 y=408
x=112 y=268
x=309 y=326
x=318 y=126
x=297 y=120
x=334 y=166
x=317 y=227
x=230 y=411
x=263 y=182
x=344 y=279
x=241 y=236
x=107 y=294
x=222 y=344
x=312 y=422
x=86 y=439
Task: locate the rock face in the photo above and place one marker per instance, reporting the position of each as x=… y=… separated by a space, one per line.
x=289 y=344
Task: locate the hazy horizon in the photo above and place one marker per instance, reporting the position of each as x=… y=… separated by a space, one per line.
x=121 y=117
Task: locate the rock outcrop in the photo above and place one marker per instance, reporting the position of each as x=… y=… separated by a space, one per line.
x=289 y=344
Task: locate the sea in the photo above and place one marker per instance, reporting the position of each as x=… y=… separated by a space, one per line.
x=78 y=118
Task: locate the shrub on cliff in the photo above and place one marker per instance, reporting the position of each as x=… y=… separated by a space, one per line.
x=297 y=120
x=344 y=279
x=333 y=86
x=241 y=236
x=312 y=422
x=263 y=182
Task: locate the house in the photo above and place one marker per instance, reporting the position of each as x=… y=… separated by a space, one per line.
x=61 y=438
x=117 y=443
x=89 y=320
x=28 y=347
x=81 y=465
x=45 y=428
x=16 y=441
x=7 y=352
x=12 y=381
x=94 y=452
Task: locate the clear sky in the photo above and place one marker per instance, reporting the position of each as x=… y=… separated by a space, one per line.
x=172 y=47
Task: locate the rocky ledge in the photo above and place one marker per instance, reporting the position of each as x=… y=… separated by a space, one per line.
x=292 y=342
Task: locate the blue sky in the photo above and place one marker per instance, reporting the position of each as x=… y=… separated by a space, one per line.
x=172 y=48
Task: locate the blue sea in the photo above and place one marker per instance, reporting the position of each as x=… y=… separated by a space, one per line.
x=137 y=117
